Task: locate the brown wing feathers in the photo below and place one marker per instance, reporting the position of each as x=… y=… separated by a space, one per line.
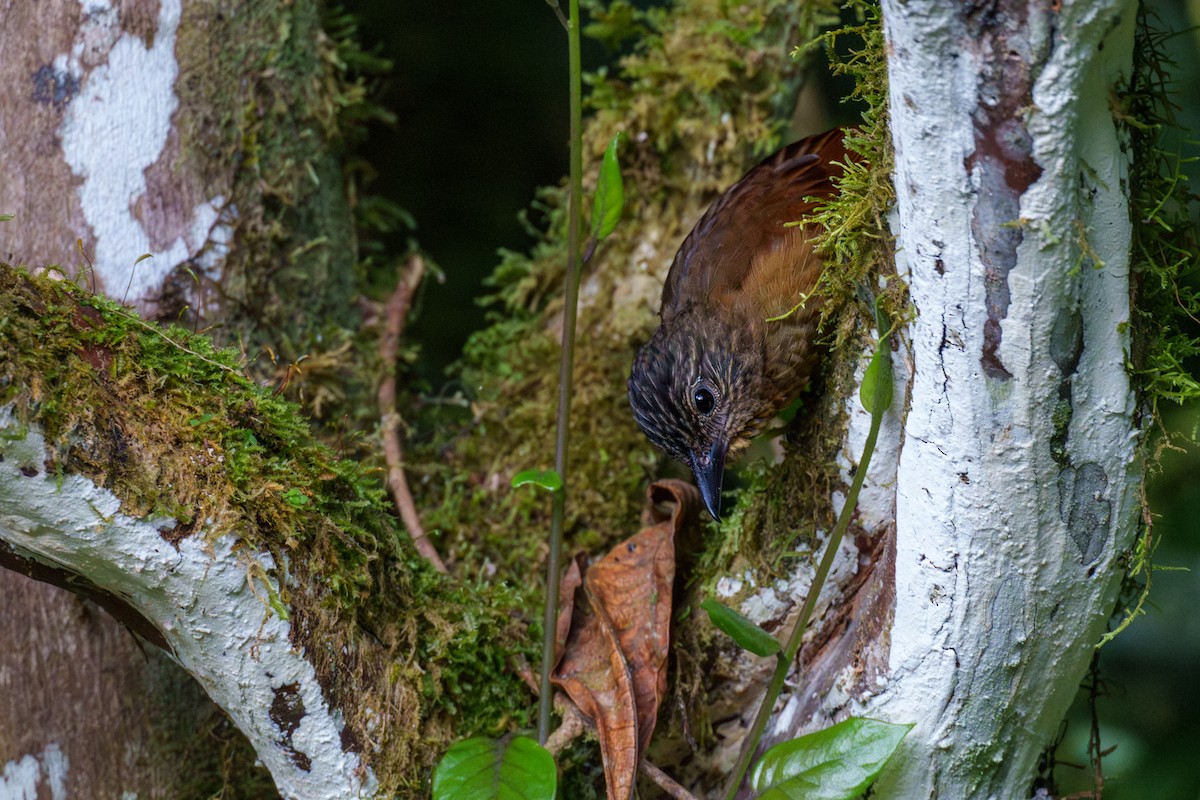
x=732 y=239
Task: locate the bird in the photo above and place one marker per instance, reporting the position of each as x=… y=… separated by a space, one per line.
x=737 y=338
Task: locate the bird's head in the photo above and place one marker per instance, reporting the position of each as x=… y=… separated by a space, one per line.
x=697 y=392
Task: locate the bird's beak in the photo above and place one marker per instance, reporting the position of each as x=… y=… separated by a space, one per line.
x=709 y=469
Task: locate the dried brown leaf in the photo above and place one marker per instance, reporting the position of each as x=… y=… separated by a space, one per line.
x=614 y=663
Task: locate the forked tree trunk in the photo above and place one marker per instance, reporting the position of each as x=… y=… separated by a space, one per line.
x=986 y=560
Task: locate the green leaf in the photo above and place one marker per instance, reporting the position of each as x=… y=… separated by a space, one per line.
x=6 y=217
x=546 y=478
x=875 y=393
x=296 y=497
x=748 y=635
x=491 y=769
x=610 y=194
x=276 y=602
x=837 y=763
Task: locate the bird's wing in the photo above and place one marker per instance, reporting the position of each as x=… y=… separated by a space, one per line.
x=720 y=253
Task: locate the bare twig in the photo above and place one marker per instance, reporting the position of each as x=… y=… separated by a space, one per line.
x=394 y=317
x=574 y=724
x=665 y=782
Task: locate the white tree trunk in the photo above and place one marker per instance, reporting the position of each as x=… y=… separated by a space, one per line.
x=1008 y=537
x=1010 y=467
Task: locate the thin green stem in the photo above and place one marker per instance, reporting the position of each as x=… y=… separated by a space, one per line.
x=566 y=369
x=792 y=648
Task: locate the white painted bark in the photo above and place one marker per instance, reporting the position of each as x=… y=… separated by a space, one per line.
x=1007 y=539
x=88 y=123
x=1007 y=564
x=211 y=608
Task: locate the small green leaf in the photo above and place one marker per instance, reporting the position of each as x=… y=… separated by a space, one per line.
x=837 y=763
x=491 y=769
x=200 y=420
x=546 y=478
x=748 y=635
x=276 y=602
x=610 y=194
x=875 y=393
x=296 y=497
x=6 y=217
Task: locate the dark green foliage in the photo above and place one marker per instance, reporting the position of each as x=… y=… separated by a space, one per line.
x=837 y=763
x=747 y=635
x=495 y=769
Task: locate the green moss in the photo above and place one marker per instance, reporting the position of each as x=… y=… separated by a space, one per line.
x=266 y=120
x=406 y=649
x=1061 y=419
x=1165 y=266
x=857 y=236
x=1166 y=246
x=702 y=96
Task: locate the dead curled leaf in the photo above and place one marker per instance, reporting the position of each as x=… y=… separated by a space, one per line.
x=614 y=632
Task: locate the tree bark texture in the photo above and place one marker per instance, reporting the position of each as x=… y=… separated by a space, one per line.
x=170 y=129
x=208 y=607
x=88 y=711
x=1008 y=483
x=1017 y=488
x=149 y=127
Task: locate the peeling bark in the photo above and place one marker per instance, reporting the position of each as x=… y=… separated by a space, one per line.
x=88 y=121
x=133 y=128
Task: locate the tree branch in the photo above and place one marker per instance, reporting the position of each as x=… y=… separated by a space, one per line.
x=210 y=608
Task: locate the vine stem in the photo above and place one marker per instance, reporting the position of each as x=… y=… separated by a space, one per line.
x=787 y=656
x=566 y=369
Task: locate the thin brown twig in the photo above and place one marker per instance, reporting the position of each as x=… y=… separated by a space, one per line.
x=574 y=725
x=665 y=782
x=394 y=316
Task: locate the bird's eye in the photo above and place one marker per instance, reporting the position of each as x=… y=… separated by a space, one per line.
x=703 y=400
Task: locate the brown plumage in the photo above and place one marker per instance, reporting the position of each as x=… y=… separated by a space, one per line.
x=716 y=369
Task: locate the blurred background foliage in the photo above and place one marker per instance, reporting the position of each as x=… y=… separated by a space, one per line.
x=479 y=98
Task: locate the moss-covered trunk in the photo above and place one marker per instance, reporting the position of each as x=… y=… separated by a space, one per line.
x=348 y=663
x=206 y=135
